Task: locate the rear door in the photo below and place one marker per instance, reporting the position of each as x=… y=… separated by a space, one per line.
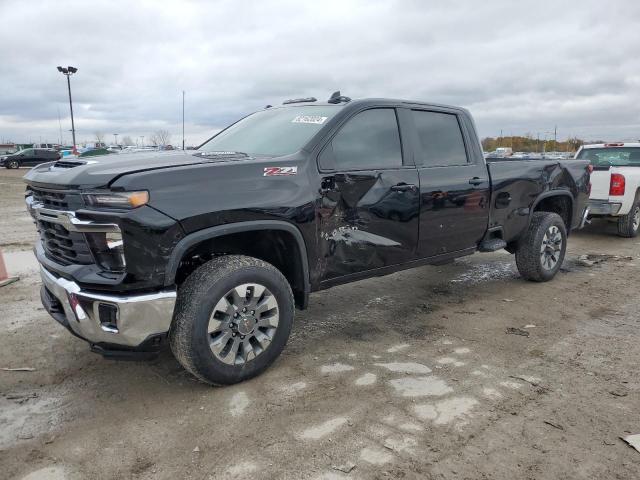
x=369 y=204
x=27 y=157
x=454 y=183
x=39 y=156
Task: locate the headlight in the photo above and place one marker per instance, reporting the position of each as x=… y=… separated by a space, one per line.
x=117 y=200
x=108 y=250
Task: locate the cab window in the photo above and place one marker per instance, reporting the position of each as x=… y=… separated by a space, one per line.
x=369 y=140
x=441 y=139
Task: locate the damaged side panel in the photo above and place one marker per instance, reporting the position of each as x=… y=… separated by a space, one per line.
x=367 y=220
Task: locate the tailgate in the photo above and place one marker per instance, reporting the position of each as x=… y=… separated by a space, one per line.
x=600 y=180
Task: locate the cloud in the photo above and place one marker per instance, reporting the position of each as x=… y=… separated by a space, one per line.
x=518 y=66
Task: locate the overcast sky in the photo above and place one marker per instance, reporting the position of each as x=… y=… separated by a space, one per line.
x=521 y=66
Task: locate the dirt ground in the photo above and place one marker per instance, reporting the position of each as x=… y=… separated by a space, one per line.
x=409 y=376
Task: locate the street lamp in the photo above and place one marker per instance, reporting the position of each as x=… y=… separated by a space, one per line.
x=68 y=71
x=115 y=136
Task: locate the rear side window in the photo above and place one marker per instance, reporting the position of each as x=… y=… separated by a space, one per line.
x=441 y=138
x=368 y=140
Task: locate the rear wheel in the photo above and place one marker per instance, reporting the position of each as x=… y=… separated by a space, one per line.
x=233 y=318
x=541 y=251
x=628 y=225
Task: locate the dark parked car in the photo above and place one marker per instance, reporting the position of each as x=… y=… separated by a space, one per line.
x=29 y=157
x=212 y=250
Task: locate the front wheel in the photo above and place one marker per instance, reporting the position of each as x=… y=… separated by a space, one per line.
x=541 y=251
x=628 y=225
x=13 y=164
x=232 y=320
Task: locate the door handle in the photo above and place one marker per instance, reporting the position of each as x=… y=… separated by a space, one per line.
x=404 y=187
x=475 y=181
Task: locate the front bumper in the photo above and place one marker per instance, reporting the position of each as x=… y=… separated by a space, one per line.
x=108 y=321
x=603 y=207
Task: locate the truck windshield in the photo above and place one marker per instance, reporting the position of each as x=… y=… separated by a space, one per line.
x=612 y=156
x=272 y=132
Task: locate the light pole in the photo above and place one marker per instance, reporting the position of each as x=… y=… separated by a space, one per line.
x=183 y=120
x=115 y=137
x=68 y=71
x=142 y=137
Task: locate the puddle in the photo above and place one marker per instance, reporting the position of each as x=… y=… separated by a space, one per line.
x=48 y=473
x=401 y=444
x=366 y=379
x=335 y=368
x=421 y=387
x=397 y=348
x=375 y=456
x=294 y=388
x=405 y=367
x=446 y=411
x=324 y=429
x=238 y=404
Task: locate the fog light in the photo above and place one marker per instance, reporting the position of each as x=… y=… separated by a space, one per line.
x=108 y=315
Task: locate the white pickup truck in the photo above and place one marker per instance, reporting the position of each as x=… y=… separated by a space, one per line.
x=615 y=183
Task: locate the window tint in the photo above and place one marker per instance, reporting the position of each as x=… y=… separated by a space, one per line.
x=440 y=137
x=368 y=140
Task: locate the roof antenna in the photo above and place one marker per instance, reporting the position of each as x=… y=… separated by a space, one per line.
x=337 y=98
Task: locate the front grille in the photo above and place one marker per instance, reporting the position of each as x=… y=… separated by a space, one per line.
x=57 y=199
x=63 y=246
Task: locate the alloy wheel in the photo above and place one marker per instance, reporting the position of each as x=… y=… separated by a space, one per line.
x=243 y=323
x=551 y=248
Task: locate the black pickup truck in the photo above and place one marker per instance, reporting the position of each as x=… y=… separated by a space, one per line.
x=211 y=250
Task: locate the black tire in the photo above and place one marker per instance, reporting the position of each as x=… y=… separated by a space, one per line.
x=13 y=164
x=198 y=296
x=629 y=225
x=529 y=257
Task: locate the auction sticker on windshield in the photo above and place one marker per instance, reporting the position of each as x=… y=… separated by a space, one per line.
x=315 y=119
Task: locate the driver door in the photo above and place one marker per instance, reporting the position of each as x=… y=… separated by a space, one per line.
x=370 y=201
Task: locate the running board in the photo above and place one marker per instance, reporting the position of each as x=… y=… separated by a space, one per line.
x=492 y=245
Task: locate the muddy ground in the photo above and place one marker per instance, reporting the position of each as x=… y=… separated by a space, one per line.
x=408 y=376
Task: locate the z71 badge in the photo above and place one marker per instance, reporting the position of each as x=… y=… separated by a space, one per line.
x=279 y=171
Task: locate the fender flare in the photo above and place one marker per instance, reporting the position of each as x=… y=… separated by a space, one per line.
x=212 y=232
x=554 y=193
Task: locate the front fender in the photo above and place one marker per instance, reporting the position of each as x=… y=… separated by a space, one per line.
x=218 y=231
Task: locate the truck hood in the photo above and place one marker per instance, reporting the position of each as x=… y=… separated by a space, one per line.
x=100 y=171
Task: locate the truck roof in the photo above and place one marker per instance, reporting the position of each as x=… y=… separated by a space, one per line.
x=372 y=101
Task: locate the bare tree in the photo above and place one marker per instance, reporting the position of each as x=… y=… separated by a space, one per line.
x=161 y=137
x=99 y=137
x=126 y=141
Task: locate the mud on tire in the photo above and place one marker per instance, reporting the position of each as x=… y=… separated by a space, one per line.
x=541 y=239
x=209 y=297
